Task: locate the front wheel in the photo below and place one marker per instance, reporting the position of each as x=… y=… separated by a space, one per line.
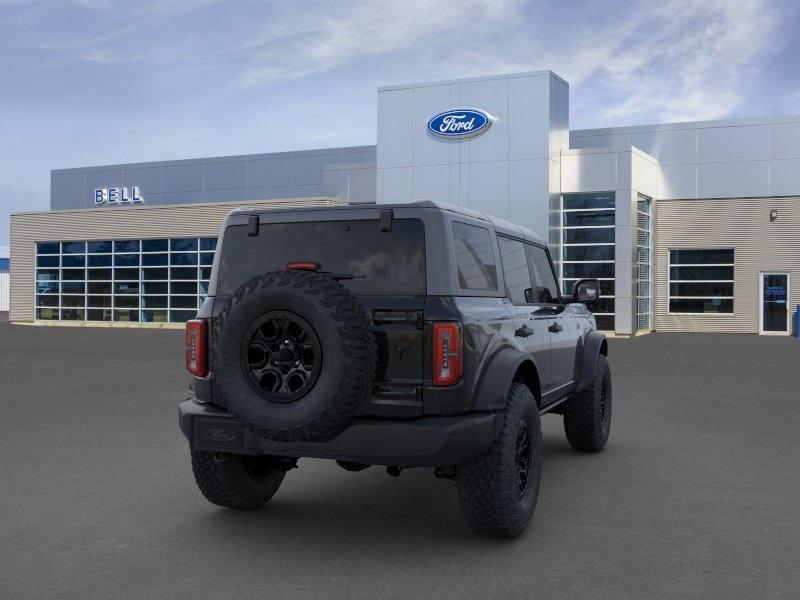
x=587 y=415
x=498 y=489
x=235 y=480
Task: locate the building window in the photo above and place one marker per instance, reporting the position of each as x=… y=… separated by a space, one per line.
x=123 y=280
x=644 y=230
x=701 y=281
x=587 y=236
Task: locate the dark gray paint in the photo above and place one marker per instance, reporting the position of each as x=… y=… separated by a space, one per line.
x=694 y=496
x=346 y=173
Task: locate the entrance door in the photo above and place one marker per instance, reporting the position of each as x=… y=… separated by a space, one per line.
x=774 y=303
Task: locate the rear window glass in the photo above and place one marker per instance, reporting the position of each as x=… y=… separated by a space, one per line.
x=389 y=263
x=474 y=257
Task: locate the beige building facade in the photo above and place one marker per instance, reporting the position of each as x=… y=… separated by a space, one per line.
x=764 y=237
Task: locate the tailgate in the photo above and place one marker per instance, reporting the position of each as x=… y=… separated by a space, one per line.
x=398 y=328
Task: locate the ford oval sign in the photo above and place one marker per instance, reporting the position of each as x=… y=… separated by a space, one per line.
x=459 y=123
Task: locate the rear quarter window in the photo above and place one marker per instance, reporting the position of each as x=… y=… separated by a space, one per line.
x=385 y=263
x=474 y=257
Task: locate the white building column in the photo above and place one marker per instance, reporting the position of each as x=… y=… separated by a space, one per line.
x=625 y=240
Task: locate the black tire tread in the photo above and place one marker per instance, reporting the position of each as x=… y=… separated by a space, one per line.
x=582 y=412
x=486 y=495
x=227 y=484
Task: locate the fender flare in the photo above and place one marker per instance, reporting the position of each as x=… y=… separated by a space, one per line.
x=594 y=344
x=495 y=382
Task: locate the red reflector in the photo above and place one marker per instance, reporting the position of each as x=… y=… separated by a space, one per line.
x=197 y=347
x=303 y=265
x=447 y=353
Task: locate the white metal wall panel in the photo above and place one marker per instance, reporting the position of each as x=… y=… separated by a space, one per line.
x=187 y=220
x=785 y=140
x=531 y=124
x=4 y=291
x=678 y=181
x=785 y=176
x=742 y=224
x=733 y=179
x=733 y=144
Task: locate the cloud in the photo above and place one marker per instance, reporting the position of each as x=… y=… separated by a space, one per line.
x=322 y=39
x=627 y=60
x=688 y=61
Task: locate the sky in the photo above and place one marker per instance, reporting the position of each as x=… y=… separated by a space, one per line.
x=93 y=82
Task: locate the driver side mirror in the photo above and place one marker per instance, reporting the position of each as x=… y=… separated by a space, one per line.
x=586 y=291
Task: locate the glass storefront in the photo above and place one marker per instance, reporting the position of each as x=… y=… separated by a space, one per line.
x=643 y=263
x=588 y=248
x=147 y=280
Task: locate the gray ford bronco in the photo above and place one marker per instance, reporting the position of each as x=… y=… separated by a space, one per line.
x=408 y=335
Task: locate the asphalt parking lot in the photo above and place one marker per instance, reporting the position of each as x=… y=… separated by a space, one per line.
x=696 y=496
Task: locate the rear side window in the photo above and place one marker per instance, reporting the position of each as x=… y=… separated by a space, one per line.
x=386 y=263
x=474 y=257
x=515 y=269
x=545 y=289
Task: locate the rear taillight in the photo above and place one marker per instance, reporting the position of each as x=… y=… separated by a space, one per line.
x=447 y=353
x=197 y=347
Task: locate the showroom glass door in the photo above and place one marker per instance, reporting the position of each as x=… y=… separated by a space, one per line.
x=774 y=297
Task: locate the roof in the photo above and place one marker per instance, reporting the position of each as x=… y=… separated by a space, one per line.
x=498 y=223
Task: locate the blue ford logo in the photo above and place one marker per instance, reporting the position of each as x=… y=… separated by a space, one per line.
x=460 y=123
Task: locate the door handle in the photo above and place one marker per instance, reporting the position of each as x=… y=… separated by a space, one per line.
x=523 y=331
x=555 y=328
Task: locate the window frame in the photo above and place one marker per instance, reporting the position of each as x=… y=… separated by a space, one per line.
x=500 y=289
x=503 y=268
x=561 y=299
x=670 y=281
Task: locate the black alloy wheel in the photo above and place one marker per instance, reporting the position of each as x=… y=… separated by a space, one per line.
x=281 y=356
x=523 y=457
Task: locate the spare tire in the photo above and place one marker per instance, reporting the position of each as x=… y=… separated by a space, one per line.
x=293 y=356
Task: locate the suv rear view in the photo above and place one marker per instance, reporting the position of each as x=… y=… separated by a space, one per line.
x=386 y=335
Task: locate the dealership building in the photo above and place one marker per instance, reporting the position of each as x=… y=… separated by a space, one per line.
x=688 y=226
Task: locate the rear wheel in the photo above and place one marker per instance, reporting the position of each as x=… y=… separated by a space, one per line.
x=587 y=415
x=235 y=480
x=498 y=489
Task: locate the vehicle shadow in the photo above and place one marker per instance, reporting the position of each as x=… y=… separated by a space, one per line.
x=318 y=506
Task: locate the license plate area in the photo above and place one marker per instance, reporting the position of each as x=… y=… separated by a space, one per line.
x=217 y=435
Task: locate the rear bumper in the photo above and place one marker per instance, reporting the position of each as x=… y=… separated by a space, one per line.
x=425 y=442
